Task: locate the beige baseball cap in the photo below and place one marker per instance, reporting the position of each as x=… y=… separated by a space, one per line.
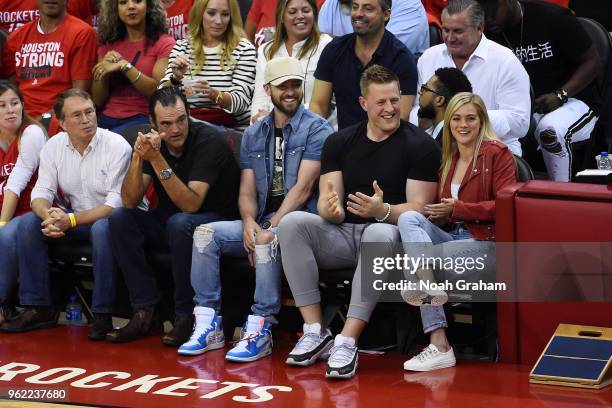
x=279 y=70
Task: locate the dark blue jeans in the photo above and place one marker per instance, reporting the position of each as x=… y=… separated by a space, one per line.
x=118 y=125
x=32 y=250
x=133 y=230
x=8 y=258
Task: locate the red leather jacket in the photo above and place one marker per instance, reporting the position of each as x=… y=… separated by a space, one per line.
x=475 y=206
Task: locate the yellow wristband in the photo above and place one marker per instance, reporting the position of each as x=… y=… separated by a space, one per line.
x=3 y=223
x=72 y=218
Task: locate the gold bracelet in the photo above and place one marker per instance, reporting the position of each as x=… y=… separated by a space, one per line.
x=219 y=98
x=72 y=218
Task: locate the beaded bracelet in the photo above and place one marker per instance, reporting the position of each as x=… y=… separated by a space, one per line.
x=386 y=217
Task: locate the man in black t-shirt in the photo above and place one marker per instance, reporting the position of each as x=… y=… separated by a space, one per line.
x=196 y=179
x=379 y=169
x=561 y=61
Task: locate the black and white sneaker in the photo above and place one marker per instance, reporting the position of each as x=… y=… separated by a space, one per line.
x=311 y=346
x=343 y=358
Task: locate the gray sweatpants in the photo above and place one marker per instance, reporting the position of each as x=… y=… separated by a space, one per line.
x=308 y=243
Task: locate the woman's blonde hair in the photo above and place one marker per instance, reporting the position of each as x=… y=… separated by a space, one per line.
x=449 y=144
x=231 y=37
x=280 y=33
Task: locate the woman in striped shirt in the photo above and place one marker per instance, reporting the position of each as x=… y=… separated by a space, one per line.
x=214 y=65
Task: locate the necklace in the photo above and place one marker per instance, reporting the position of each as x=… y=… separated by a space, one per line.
x=521 y=36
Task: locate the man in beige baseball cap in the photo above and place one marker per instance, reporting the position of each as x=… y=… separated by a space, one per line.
x=280 y=161
x=279 y=70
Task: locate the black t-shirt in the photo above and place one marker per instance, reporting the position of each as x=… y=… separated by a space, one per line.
x=276 y=195
x=409 y=153
x=552 y=43
x=208 y=158
x=340 y=66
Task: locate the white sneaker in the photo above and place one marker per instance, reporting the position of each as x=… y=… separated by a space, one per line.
x=311 y=346
x=424 y=297
x=425 y=293
x=343 y=358
x=431 y=359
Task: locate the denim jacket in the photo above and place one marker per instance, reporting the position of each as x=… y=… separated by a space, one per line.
x=304 y=137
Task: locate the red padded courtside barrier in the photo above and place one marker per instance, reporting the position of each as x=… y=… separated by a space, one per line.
x=546 y=211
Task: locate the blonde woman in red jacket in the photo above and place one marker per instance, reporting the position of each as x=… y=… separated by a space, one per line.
x=475 y=166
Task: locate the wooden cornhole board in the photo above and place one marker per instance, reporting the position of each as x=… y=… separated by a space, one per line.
x=576 y=356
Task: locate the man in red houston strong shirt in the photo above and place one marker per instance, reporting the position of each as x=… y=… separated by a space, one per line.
x=16 y=13
x=53 y=53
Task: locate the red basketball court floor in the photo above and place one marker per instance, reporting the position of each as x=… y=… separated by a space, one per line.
x=147 y=374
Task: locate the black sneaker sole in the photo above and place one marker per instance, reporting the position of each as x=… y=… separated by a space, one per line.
x=41 y=325
x=336 y=373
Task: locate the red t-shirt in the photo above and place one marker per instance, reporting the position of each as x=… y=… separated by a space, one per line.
x=83 y=9
x=177 y=16
x=562 y=3
x=46 y=64
x=7 y=163
x=263 y=14
x=434 y=10
x=125 y=101
x=15 y=13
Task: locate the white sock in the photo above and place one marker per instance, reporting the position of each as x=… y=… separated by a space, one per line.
x=203 y=315
x=254 y=324
x=340 y=339
x=312 y=328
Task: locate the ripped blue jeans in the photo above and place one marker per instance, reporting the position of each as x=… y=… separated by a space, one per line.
x=225 y=238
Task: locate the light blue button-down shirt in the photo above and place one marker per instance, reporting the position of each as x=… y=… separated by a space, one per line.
x=304 y=137
x=408 y=23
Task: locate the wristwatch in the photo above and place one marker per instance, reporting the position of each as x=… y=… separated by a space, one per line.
x=561 y=94
x=126 y=67
x=174 y=81
x=165 y=174
x=265 y=225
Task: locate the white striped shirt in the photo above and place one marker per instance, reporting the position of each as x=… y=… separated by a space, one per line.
x=238 y=81
x=86 y=181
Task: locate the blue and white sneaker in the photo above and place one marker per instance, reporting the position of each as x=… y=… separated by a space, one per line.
x=207 y=333
x=255 y=342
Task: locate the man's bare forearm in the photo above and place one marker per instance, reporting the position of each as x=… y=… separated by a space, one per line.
x=132 y=189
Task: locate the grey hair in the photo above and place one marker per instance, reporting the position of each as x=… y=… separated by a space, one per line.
x=476 y=15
